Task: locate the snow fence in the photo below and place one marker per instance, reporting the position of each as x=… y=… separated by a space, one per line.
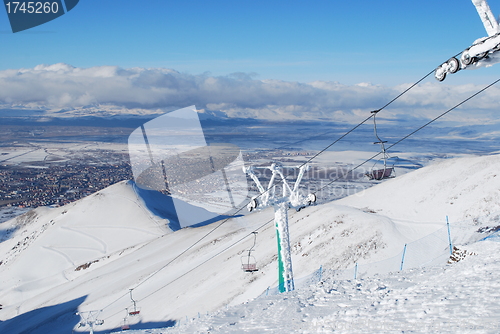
x=433 y=249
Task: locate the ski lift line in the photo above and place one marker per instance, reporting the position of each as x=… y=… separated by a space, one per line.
x=446 y=112
x=375 y=111
x=415 y=131
x=281 y=181
x=278 y=182
x=179 y=255
x=211 y=258
x=336 y=179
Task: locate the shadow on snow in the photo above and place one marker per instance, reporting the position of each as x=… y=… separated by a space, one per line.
x=62 y=319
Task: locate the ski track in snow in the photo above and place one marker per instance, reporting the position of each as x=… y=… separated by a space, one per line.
x=86 y=235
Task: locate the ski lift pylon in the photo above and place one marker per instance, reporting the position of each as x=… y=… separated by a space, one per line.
x=248 y=262
x=385 y=172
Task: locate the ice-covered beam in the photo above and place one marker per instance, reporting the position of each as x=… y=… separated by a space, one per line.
x=489 y=21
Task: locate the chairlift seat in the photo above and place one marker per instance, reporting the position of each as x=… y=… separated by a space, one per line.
x=380 y=174
x=248 y=264
x=136 y=312
x=249 y=267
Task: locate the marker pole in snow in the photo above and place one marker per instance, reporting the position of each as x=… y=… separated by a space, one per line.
x=449 y=235
x=403 y=258
x=291 y=198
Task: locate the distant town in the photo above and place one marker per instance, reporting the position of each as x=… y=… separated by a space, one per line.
x=57 y=165
x=57 y=185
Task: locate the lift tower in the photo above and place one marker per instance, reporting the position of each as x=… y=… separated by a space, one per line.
x=290 y=198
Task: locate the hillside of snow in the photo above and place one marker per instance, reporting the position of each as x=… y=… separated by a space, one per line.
x=86 y=256
x=471 y=185
x=47 y=244
x=467 y=190
x=461 y=297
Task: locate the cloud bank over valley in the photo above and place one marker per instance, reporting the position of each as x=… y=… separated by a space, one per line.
x=61 y=90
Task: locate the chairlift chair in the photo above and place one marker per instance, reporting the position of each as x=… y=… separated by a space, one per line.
x=248 y=262
x=125 y=325
x=136 y=310
x=385 y=172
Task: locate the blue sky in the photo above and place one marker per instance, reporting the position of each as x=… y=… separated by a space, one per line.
x=386 y=42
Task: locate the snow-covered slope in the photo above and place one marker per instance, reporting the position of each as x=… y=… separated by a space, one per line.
x=47 y=244
x=453 y=298
x=460 y=188
x=197 y=270
x=322 y=235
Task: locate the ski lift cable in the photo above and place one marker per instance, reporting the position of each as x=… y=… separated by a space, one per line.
x=309 y=160
x=415 y=131
x=376 y=111
x=199 y=265
x=373 y=113
x=212 y=257
x=446 y=112
x=278 y=182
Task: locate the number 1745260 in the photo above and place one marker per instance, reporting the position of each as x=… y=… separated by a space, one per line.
x=32 y=7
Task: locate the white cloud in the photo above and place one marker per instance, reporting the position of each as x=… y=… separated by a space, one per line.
x=61 y=86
